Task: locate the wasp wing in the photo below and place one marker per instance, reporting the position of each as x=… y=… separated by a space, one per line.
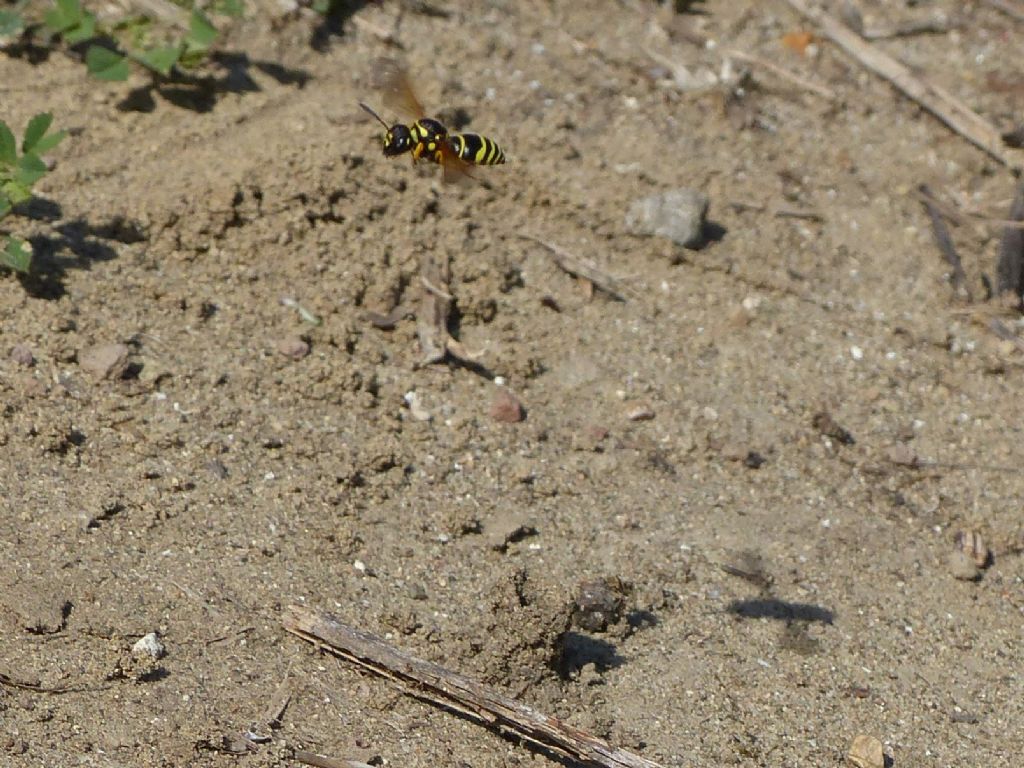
x=455 y=170
x=392 y=80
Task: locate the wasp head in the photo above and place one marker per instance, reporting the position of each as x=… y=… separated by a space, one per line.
x=397 y=140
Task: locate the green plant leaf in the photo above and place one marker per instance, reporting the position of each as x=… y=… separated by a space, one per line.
x=35 y=130
x=15 y=192
x=5 y=204
x=50 y=141
x=36 y=139
x=16 y=255
x=162 y=59
x=30 y=170
x=233 y=8
x=11 y=23
x=105 y=64
x=86 y=30
x=64 y=15
x=201 y=33
x=8 y=146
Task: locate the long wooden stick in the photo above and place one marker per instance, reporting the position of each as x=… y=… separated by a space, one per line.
x=581 y=267
x=950 y=110
x=437 y=685
x=1013 y=10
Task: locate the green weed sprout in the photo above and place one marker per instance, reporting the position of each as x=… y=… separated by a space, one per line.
x=18 y=174
x=111 y=48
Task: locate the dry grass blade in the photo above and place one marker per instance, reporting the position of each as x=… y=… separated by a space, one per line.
x=1010 y=263
x=785 y=74
x=945 y=244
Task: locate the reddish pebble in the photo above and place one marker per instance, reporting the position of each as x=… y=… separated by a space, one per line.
x=22 y=355
x=506 y=408
x=294 y=347
x=105 y=361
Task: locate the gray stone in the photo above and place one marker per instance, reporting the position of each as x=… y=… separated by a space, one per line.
x=677 y=214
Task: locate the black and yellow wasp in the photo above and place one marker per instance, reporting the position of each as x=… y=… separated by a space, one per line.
x=427 y=137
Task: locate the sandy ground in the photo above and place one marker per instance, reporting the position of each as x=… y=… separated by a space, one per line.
x=783 y=589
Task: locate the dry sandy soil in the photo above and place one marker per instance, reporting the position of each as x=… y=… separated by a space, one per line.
x=782 y=589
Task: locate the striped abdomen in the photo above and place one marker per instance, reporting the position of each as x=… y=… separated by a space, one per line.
x=476 y=149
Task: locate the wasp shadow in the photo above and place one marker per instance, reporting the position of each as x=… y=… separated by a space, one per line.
x=781 y=610
x=75 y=244
x=711 y=233
x=578 y=650
x=200 y=93
x=332 y=22
x=641 y=619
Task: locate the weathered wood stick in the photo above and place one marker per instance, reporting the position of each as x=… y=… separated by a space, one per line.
x=432 y=317
x=326 y=761
x=580 y=267
x=1013 y=10
x=951 y=111
x=437 y=685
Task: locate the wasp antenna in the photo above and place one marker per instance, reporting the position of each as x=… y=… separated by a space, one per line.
x=379 y=118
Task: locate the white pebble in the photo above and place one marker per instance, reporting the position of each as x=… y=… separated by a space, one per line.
x=150 y=645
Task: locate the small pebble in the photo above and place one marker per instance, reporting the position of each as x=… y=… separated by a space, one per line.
x=506 y=408
x=217 y=468
x=866 y=752
x=508 y=527
x=150 y=645
x=640 y=412
x=903 y=455
x=972 y=545
x=22 y=355
x=962 y=566
x=677 y=214
x=417 y=591
x=416 y=407
x=599 y=603
x=829 y=427
x=105 y=361
x=737 y=451
x=294 y=347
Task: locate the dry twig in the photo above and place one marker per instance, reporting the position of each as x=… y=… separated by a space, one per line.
x=432 y=318
x=580 y=267
x=437 y=685
x=950 y=110
x=785 y=74
x=384 y=35
x=779 y=211
x=960 y=217
x=323 y=761
x=1012 y=9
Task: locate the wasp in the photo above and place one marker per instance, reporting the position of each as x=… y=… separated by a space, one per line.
x=427 y=137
